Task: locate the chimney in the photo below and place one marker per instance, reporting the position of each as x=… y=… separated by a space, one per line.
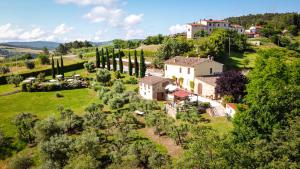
x=212 y=58
x=208 y=57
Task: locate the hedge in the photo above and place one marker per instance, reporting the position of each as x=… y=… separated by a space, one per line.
x=48 y=71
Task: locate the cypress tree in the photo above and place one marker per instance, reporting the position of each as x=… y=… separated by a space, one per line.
x=102 y=58
x=97 y=58
x=107 y=59
x=136 y=65
x=114 y=60
x=62 y=72
x=142 y=65
x=53 y=68
x=129 y=64
x=57 y=68
x=120 y=62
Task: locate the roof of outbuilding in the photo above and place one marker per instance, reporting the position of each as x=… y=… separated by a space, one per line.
x=232 y=105
x=211 y=80
x=151 y=80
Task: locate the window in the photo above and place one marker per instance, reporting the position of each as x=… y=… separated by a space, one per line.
x=188 y=71
x=210 y=24
x=218 y=25
x=180 y=70
x=210 y=71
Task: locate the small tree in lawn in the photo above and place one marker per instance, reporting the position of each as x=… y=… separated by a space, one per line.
x=53 y=68
x=57 y=68
x=97 y=58
x=142 y=65
x=62 y=66
x=14 y=79
x=114 y=60
x=231 y=83
x=136 y=65
x=120 y=62
x=102 y=58
x=107 y=59
x=25 y=125
x=129 y=64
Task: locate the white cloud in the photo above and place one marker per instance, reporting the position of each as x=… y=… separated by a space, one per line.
x=34 y=34
x=177 y=29
x=8 y=32
x=100 y=14
x=88 y=2
x=62 y=29
x=133 y=19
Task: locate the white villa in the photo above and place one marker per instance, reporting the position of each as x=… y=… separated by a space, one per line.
x=209 y=26
x=197 y=75
x=153 y=87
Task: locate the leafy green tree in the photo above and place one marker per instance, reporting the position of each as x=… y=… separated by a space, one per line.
x=114 y=60
x=203 y=150
x=129 y=65
x=94 y=117
x=57 y=67
x=44 y=59
x=70 y=122
x=97 y=58
x=107 y=60
x=46 y=51
x=87 y=143
x=142 y=65
x=25 y=125
x=103 y=76
x=178 y=132
x=53 y=69
x=120 y=62
x=21 y=162
x=272 y=96
x=102 y=58
x=29 y=64
x=83 y=162
x=118 y=87
x=89 y=66
x=14 y=79
x=62 y=66
x=136 y=65
x=56 y=149
x=47 y=128
x=62 y=49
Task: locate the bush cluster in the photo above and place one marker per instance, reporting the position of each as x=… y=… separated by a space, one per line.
x=46 y=87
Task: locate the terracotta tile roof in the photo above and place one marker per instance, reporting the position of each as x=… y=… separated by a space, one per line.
x=196 y=24
x=211 y=80
x=185 y=61
x=216 y=21
x=182 y=94
x=152 y=80
x=236 y=26
x=232 y=105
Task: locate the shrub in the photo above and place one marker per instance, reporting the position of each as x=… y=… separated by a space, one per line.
x=44 y=59
x=116 y=102
x=227 y=99
x=59 y=95
x=118 y=87
x=117 y=75
x=41 y=77
x=107 y=96
x=103 y=76
x=102 y=91
x=14 y=79
x=90 y=66
x=131 y=80
x=4 y=69
x=21 y=163
x=29 y=64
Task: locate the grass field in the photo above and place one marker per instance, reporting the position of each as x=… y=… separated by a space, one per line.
x=221 y=124
x=42 y=104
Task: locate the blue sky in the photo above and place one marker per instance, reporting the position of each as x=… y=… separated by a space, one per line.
x=101 y=20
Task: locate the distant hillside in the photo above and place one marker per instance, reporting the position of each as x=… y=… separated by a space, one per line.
x=101 y=43
x=33 y=45
x=276 y=20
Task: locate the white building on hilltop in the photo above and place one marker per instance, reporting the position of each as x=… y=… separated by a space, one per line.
x=209 y=25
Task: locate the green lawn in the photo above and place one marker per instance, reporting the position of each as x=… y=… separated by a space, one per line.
x=221 y=124
x=42 y=104
x=7 y=88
